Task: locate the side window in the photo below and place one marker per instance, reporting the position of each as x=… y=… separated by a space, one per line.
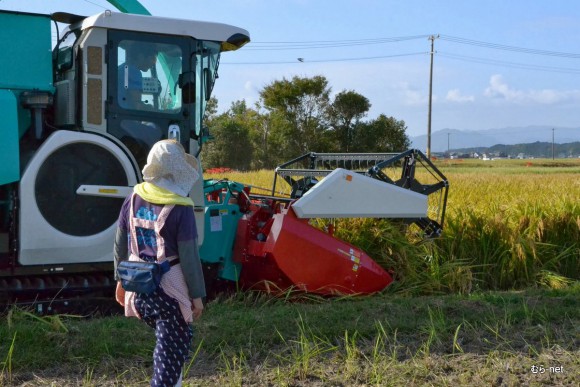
x=64 y=56
x=147 y=76
x=207 y=60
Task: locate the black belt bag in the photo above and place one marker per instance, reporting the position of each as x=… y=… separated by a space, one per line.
x=142 y=277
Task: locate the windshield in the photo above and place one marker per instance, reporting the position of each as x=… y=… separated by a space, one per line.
x=147 y=74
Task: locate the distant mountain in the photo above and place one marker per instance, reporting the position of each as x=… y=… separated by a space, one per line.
x=462 y=139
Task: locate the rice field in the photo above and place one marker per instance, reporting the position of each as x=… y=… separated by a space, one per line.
x=510 y=224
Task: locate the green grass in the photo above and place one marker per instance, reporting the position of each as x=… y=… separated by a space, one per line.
x=252 y=339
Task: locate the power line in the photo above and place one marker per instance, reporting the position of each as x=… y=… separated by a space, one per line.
x=282 y=46
x=324 y=60
x=525 y=66
x=295 y=45
x=396 y=38
x=464 y=58
x=504 y=47
x=323 y=44
x=93 y=3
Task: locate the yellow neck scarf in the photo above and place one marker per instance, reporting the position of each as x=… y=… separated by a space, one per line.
x=157 y=195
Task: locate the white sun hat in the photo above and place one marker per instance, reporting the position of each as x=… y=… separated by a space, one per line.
x=169 y=167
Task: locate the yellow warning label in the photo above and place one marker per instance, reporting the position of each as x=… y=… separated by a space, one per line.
x=108 y=190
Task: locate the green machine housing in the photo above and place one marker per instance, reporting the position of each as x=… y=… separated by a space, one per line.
x=25 y=39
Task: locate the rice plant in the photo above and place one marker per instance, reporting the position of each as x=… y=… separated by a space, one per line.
x=305 y=350
x=6 y=373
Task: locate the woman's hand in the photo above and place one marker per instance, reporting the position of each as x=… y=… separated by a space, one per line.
x=197 y=308
x=120 y=294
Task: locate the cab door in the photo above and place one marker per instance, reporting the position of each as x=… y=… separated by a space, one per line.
x=145 y=101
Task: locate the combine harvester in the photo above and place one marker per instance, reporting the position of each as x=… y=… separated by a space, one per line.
x=73 y=148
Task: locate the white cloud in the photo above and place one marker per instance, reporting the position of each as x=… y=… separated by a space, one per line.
x=455 y=95
x=499 y=89
x=411 y=95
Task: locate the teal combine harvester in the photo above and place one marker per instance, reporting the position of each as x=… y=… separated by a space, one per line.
x=74 y=144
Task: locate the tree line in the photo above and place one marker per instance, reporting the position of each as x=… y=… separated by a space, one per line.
x=534 y=149
x=293 y=117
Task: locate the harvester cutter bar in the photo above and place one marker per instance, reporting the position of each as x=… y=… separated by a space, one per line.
x=302 y=172
x=321 y=164
x=332 y=161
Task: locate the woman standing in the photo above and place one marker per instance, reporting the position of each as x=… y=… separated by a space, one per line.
x=157 y=223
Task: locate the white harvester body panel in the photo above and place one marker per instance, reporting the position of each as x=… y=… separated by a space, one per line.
x=40 y=242
x=347 y=194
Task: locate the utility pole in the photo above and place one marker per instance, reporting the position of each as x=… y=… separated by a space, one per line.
x=553 y=143
x=432 y=39
x=448 y=154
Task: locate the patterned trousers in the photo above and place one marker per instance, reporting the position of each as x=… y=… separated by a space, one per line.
x=161 y=312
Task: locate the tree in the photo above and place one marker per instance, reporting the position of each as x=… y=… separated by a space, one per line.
x=297 y=114
x=210 y=109
x=384 y=134
x=231 y=146
x=345 y=113
x=266 y=141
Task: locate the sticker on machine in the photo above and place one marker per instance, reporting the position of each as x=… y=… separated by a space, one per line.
x=353 y=254
x=215 y=220
x=215 y=223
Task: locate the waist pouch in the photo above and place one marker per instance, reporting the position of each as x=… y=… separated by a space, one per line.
x=142 y=277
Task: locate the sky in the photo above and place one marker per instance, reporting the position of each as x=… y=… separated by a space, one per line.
x=496 y=63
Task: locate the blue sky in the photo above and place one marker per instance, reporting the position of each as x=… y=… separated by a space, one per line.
x=484 y=74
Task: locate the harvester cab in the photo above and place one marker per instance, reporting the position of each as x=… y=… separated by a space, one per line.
x=78 y=120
